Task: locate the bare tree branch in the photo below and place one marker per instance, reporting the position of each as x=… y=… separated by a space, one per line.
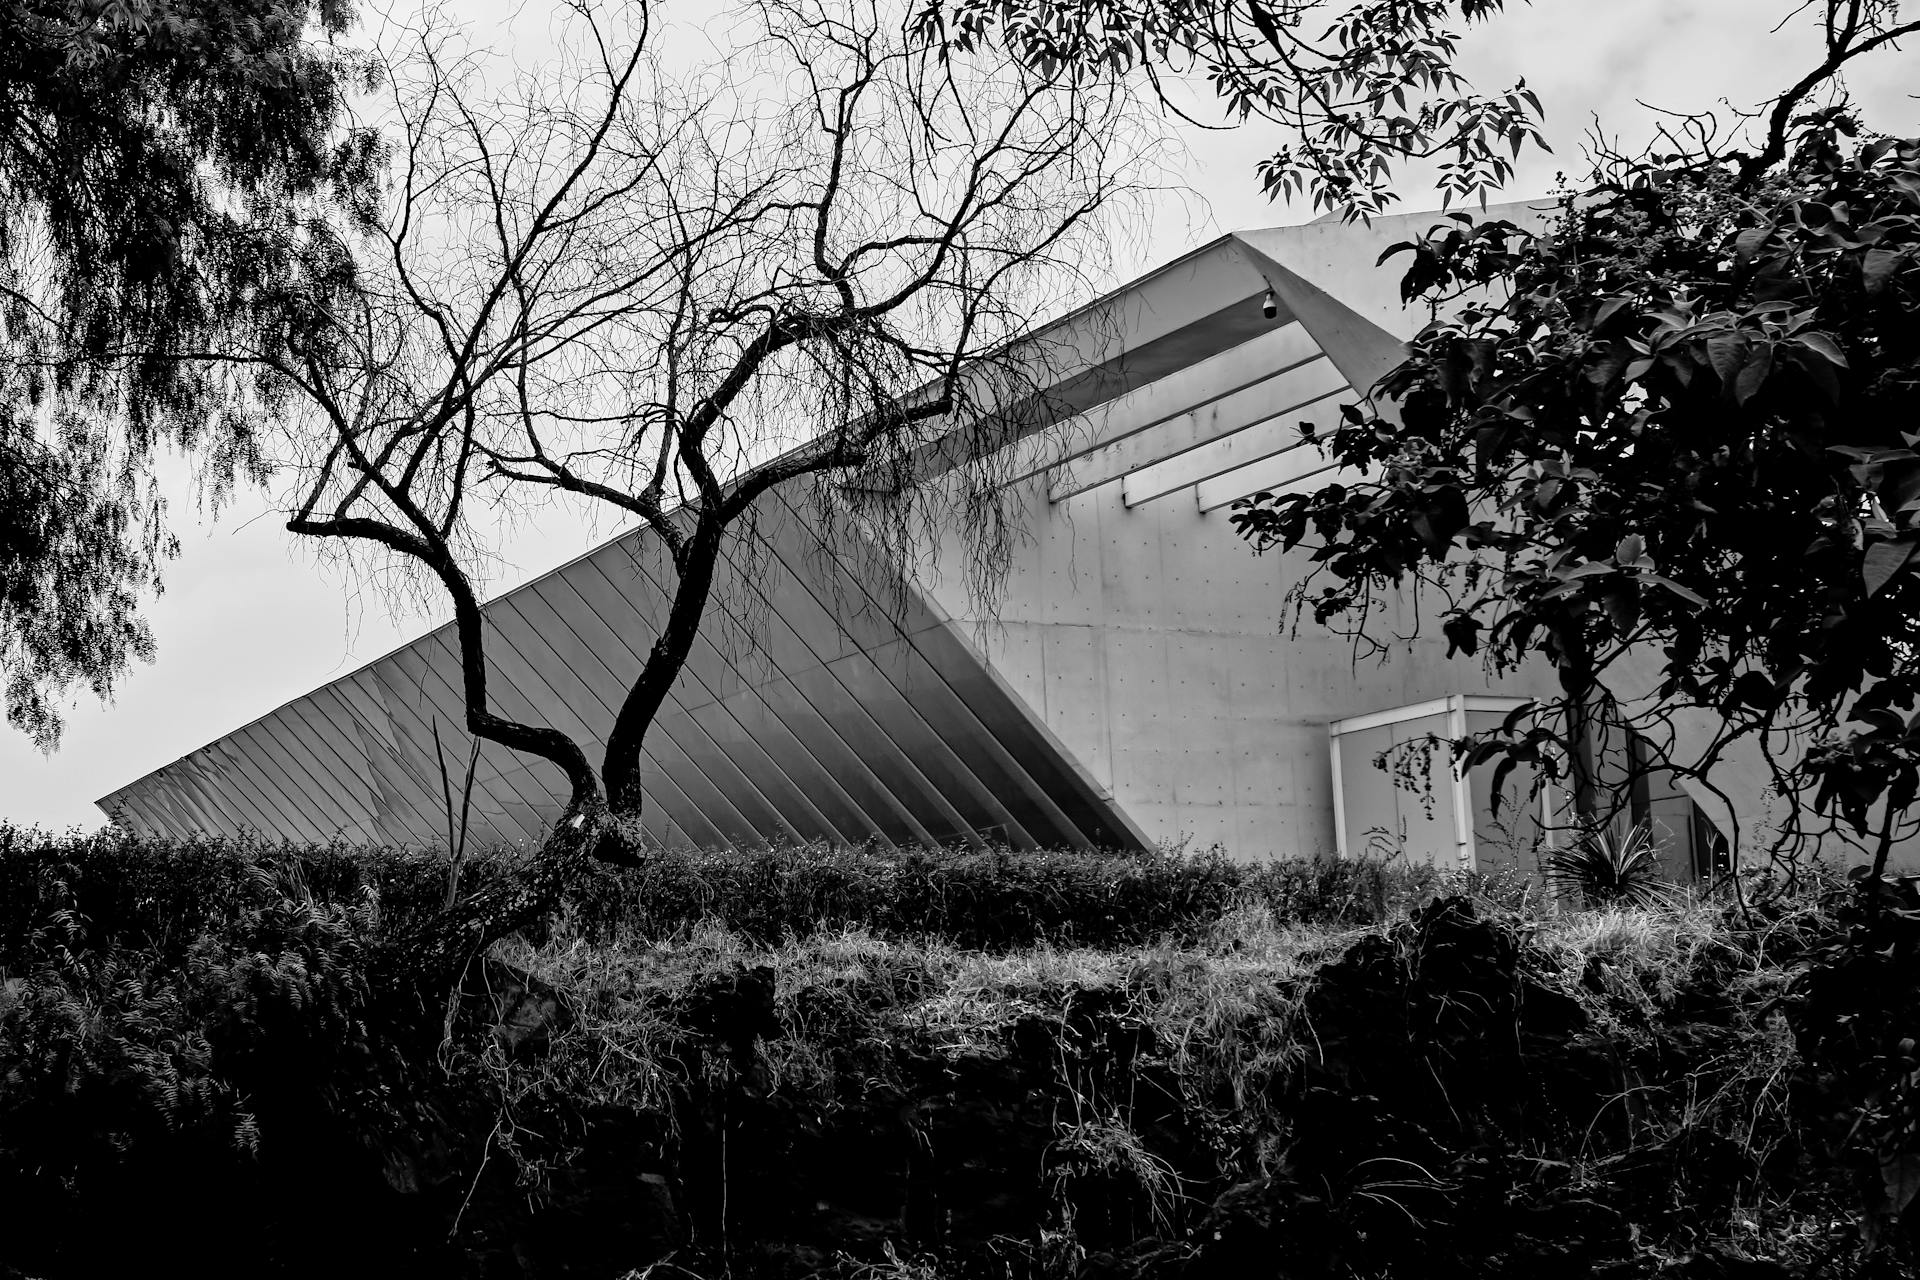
x=666 y=295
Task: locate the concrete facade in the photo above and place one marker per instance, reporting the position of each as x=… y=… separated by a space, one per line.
x=1135 y=681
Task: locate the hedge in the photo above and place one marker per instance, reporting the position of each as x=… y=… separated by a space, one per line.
x=155 y=895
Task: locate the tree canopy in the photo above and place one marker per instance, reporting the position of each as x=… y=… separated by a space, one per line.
x=1359 y=88
x=662 y=292
x=1683 y=426
x=152 y=156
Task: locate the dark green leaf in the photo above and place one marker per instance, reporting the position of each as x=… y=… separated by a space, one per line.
x=1754 y=373
x=1727 y=353
x=1878 y=267
x=1608 y=309
x=1748 y=243
x=1882 y=561
x=1824 y=346
x=1691 y=597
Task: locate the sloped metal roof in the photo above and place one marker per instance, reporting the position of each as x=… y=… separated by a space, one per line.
x=857 y=713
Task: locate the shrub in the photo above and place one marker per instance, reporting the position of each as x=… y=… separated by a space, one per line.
x=992 y=899
x=153 y=895
x=157 y=896
x=1611 y=866
x=160 y=1077
x=791 y=1061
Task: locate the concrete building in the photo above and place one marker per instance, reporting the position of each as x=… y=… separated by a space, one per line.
x=1135 y=682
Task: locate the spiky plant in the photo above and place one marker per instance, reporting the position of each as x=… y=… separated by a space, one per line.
x=1611 y=866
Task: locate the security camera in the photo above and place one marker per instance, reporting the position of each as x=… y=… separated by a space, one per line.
x=1269 y=307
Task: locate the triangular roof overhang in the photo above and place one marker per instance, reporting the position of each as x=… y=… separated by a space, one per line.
x=1325 y=275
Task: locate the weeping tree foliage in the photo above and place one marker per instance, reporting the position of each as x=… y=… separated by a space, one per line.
x=662 y=294
x=1358 y=89
x=1672 y=450
x=151 y=157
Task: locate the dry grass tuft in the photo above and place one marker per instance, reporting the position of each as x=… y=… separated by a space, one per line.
x=1224 y=1010
x=1645 y=955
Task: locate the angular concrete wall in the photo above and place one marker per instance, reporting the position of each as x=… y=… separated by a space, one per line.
x=1155 y=645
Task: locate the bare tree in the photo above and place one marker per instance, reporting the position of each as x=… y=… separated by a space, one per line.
x=668 y=294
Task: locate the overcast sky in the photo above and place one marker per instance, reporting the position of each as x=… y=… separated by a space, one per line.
x=251 y=620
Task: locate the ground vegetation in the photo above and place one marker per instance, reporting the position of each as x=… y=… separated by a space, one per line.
x=1438 y=1079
